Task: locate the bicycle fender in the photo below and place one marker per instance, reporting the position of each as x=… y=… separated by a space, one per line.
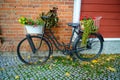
x=75 y=41
x=99 y=35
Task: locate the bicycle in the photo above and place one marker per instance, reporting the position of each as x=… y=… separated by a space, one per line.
x=37 y=49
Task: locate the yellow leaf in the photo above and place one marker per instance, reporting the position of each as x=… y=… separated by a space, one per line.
x=92 y=65
x=56 y=61
x=111 y=69
x=84 y=63
x=67 y=74
x=40 y=60
x=68 y=57
x=1 y=69
x=28 y=57
x=51 y=57
x=53 y=65
x=19 y=20
x=94 y=61
x=71 y=59
x=17 y=77
x=110 y=58
x=35 y=62
x=50 y=67
x=63 y=61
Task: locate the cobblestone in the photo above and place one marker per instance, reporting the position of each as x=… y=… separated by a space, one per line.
x=11 y=68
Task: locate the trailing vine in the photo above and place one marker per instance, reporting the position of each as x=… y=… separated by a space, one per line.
x=89 y=27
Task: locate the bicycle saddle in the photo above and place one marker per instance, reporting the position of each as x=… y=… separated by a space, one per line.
x=44 y=17
x=75 y=25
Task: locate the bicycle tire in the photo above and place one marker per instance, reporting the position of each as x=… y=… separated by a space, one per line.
x=92 y=50
x=25 y=54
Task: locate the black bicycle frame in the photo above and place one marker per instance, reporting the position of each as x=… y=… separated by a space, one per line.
x=57 y=44
x=51 y=38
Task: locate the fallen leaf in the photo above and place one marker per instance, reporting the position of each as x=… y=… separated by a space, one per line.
x=63 y=60
x=28 y=57
x=84 y=63
x=111 y=69
x=92 y=65
x=17 y=77
x=51 y=57
x=94 y=61
x=50 y=67
x=67 y=74
x=71 y=59
x=56 y=61
x=110 y=58
x=68 y=57
x=1 y=69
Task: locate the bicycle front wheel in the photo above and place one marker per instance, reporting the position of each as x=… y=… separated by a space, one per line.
x=92 y=50
x=41 y=55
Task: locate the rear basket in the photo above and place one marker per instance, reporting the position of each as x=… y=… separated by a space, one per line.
x=96 y=23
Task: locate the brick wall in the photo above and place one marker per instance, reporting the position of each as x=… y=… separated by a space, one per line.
x=11 y=10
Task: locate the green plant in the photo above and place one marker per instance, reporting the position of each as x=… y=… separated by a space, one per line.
x=29 y=21
x=88 y=27
x=50 y=22
x=53 y=18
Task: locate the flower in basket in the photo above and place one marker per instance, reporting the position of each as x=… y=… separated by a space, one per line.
x=88 y=27
x=29 y=21
x=32 y=26
x=88 y=21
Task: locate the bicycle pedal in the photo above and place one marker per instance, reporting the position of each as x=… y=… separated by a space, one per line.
x=65 y=53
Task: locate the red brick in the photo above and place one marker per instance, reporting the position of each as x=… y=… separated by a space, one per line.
x=10 y=1
x=11 y=10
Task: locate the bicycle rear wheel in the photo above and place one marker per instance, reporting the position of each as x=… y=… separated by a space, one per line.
x=41 y=55
x=92 y=50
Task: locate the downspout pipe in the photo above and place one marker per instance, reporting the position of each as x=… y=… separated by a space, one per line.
x=76 y=11
x=76 y=14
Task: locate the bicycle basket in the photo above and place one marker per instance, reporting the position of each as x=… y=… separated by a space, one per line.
x=95 y=23
x=31 y=29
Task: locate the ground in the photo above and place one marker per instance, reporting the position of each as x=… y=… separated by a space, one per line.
x=106 y=67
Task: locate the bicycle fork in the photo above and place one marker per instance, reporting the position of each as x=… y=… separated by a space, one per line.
x=30 y=41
